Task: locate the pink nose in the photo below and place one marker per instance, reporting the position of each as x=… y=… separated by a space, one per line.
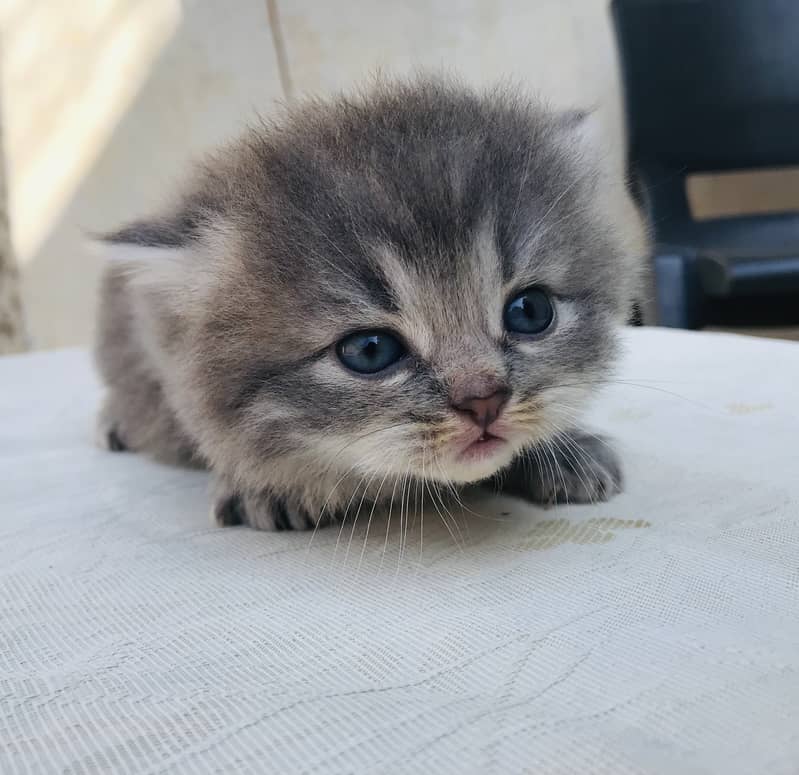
x=483 y=410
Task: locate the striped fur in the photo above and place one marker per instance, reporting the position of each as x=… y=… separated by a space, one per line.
x=418 y=207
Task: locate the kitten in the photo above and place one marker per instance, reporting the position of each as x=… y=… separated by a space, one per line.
x=417 y=283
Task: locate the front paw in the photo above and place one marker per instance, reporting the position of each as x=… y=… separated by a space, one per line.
x=575 y=467
x=109 y=436
x=261 y=511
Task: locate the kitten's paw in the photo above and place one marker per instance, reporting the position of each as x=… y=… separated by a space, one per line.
x=576 y=468
x=109 y=437
x=262 y=511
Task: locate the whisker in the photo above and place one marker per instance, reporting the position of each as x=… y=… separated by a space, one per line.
x=324 y=506
x=388 y=523
x=440 y=514
x=369 y=521
x=421 y=514
x=545 y=459
x=574 y=419
x=628 y=383
x=401 y=552
x=357 y=514
x=451 y=486
x=572 y=450
x=346 y=514
x=558 y=469
x=434 y=493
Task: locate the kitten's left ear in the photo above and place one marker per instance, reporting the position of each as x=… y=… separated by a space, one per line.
x=583 y=136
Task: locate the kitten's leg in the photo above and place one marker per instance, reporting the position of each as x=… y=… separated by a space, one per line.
x=136 y=414
x=262 y=510
x=109 y=434
x=577 y=467
x=142 y=422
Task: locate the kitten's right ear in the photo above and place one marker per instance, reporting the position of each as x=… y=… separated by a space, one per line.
x=132 y=256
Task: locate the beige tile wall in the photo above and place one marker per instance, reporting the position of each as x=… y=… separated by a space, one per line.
x=107 y=100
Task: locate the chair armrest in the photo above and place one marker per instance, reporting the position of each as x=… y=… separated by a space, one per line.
x=723 y=275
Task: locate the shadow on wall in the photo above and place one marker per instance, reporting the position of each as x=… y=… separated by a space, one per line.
x=209 y=79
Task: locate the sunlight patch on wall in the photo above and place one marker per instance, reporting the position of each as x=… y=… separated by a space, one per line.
x=69 y=72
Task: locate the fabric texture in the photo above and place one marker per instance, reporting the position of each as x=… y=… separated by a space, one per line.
x=656 y=633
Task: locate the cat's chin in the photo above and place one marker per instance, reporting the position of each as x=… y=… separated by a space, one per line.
x=483 y=449
x=479 y=460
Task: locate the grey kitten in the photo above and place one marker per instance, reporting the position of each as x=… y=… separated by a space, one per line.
x=418 y=283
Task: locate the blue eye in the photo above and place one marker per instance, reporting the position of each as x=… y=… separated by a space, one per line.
x=529 y=312
x=368 y=352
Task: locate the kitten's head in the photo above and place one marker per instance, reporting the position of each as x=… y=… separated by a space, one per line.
x=420 y=280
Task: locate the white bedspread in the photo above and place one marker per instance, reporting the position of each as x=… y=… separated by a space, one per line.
x=657 y=633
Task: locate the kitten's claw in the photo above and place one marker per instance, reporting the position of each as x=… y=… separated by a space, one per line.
x=575 y=468
x=114 y=443
x=262 y=511
x=108 y=437
x=227 y=511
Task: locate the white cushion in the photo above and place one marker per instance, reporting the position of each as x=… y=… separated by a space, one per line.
x=656 y=633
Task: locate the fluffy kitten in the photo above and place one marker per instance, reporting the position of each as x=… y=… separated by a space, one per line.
x=416 y=283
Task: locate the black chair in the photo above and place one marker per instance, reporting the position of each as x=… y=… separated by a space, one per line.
x=710 y=86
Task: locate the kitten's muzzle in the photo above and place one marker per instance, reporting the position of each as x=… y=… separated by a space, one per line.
x=484 y=408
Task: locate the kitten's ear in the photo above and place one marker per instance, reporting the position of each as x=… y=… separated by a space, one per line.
x=136 y=258
x=581 y=129
x=154 y=254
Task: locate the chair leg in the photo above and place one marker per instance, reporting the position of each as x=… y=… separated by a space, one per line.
x=678 y=295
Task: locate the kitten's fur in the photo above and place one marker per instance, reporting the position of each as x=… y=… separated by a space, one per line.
x=417 y=207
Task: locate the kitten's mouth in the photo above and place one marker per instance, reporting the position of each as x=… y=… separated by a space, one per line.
x=482 y=448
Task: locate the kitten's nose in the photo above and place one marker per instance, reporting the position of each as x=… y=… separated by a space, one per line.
x=483 y=409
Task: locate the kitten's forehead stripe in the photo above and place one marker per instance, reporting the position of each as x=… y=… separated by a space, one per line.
x=377 y=290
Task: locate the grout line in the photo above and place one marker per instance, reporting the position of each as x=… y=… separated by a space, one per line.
x=280 y=49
